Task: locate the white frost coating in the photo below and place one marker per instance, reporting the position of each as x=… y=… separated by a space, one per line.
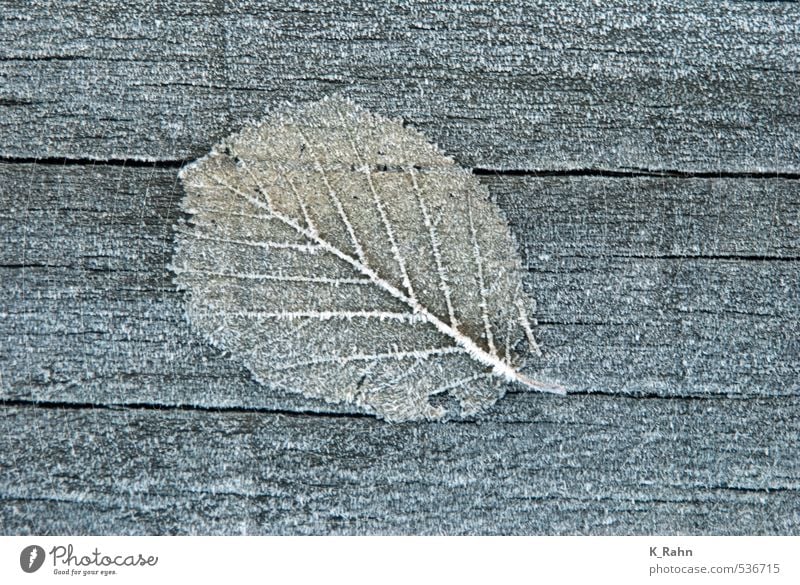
x=287 y=216
x=327 y=315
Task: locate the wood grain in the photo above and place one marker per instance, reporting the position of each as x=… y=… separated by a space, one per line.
x=667 y=301
x=591 y=465
x=691 y=86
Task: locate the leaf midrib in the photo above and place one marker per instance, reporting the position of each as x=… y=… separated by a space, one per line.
x=498 y=366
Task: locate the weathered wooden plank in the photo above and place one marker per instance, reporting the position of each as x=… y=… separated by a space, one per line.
x=662 y=285
x=598 y=465
x=644 y=286
x=535 y=85
x=685 y=289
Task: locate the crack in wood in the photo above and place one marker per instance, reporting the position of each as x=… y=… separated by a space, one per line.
x=152 y=406
x=477 y=171
x=626 y=173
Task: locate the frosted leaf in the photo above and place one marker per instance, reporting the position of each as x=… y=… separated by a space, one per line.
x=340 y=255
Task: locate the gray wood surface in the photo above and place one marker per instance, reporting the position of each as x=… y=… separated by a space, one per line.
x=593 y=465
x=668 y=302
x=688 y=85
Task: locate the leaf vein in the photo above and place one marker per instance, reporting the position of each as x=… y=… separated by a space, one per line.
x=336 y=201
x=444 y=287
x=420 y=354
x=487 y=325
x=387 y=225
x=273 y=277
x=329 y=315
x=308 y=248
x=473 y=349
